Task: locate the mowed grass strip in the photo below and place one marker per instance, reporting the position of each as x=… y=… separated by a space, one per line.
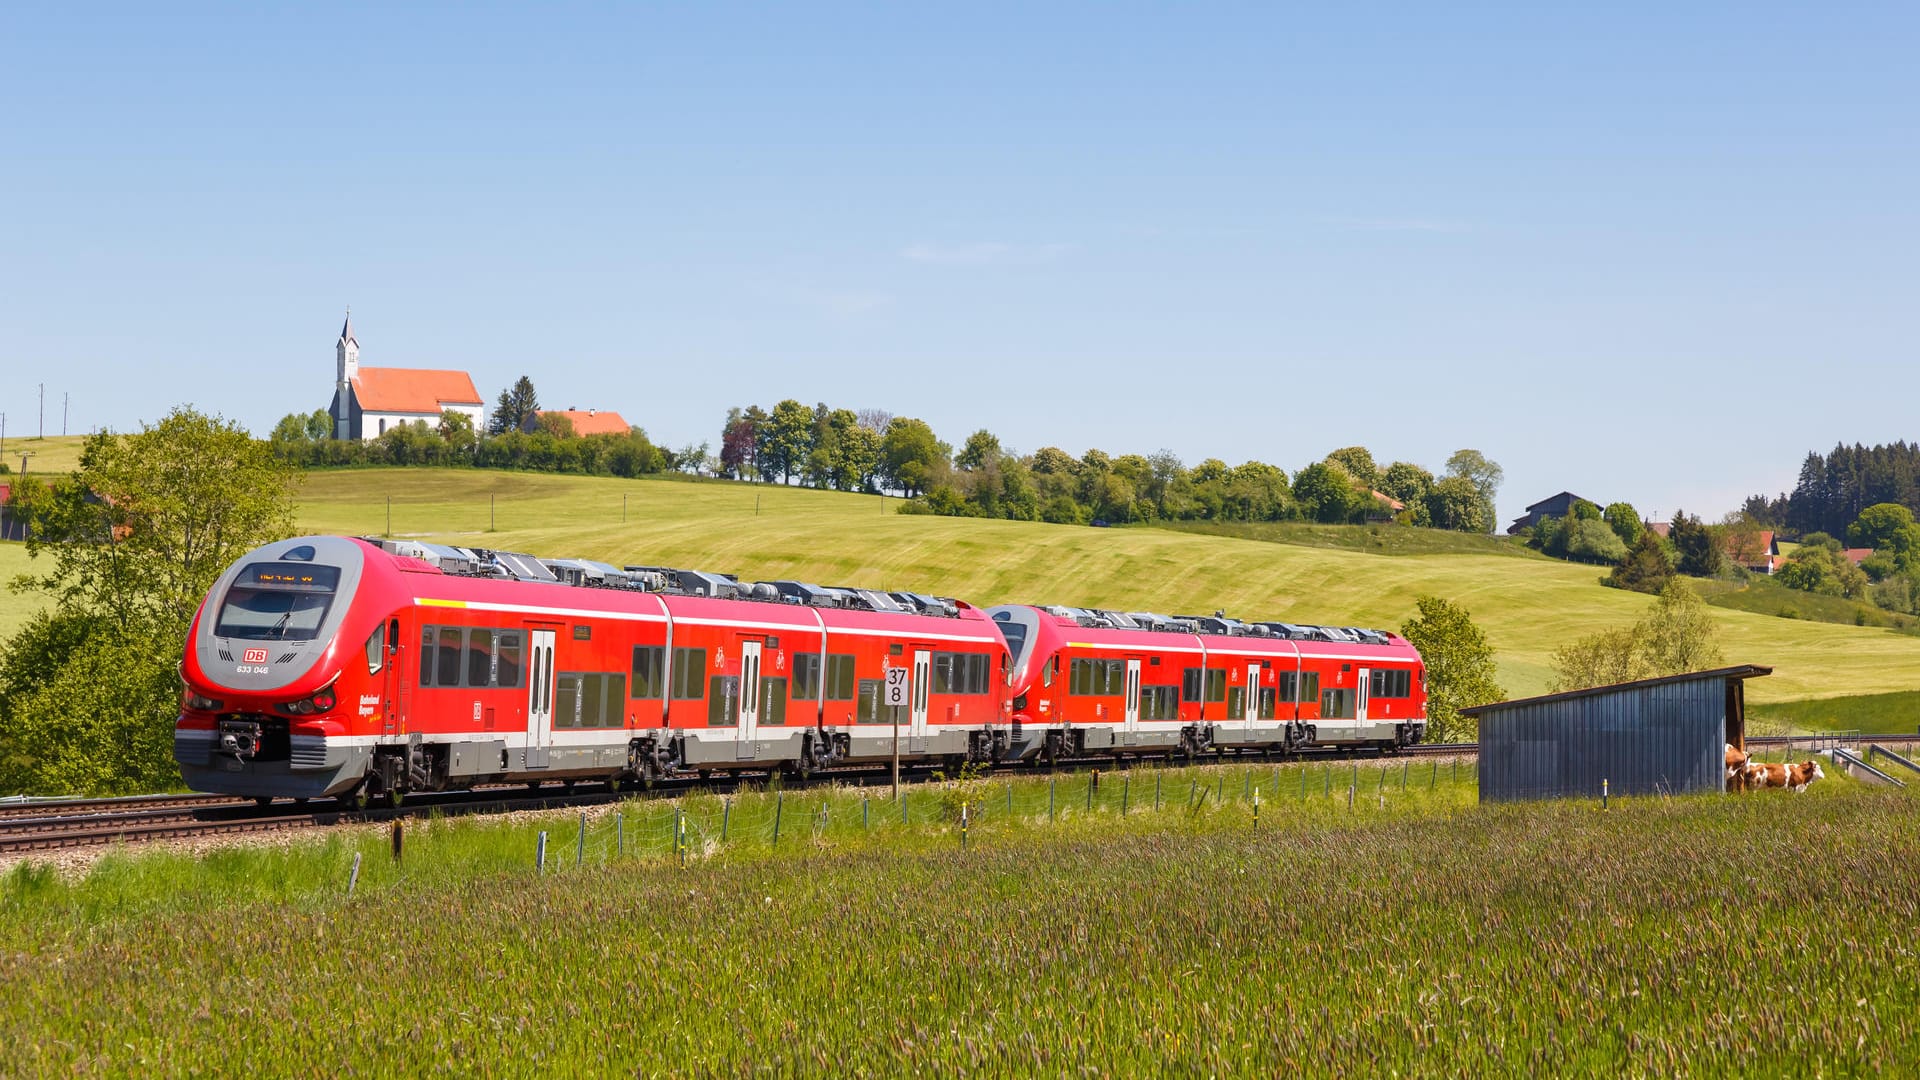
x=1425 y=936
x=1528 y=606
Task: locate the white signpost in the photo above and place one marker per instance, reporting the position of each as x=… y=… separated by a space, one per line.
x=899 y=681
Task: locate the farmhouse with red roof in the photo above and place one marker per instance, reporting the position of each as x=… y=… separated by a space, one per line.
x=368 y=400
x=591 y=421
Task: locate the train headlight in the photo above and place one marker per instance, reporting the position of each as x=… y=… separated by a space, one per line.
x=197 y=702
x=324 y=701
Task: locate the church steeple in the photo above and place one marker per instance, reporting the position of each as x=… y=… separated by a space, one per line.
x=346 y=354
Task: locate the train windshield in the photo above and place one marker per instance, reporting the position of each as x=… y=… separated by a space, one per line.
x=1014 y=628
x=278 y=601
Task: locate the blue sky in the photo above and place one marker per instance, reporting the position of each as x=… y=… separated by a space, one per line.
x=1634 y=251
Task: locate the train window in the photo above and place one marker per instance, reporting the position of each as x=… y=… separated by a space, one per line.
x=773 y=701
x=723 y=705
x=446 y=671
x=1236 y=703
x=507 y=662
x=1190 y=684
x=426 y=655
x=376 y=652
x=592 y=700
x=1266 y=702
x=1047 y=673
x=479 y=657
x=1337 y=704
x=1309 y=686
x=806 y=676
x=1159 y=703
x=1391 y=684
x=1216 y=685
x=1099 y=677
x=1288 y=681
x=840 y=677
x=689 y=667
x=649 y=671
x=943 y=673
x=566 y=701
x=869 y=710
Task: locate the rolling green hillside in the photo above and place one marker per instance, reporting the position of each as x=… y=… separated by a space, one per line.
x=1528 y=606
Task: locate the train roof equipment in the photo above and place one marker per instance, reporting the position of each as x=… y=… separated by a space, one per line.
x=1217 y=624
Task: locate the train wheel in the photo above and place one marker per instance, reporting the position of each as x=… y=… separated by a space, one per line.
x=355 y=800
x=570 y=784
x=393 y=799
x=263 y=801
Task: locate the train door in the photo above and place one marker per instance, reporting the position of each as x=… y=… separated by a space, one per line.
x=1133 y=699
x=922 y=680
x=396 y=697
x=1251 y=704
x=1361 y=694
x=749 y=690
x=540 y=699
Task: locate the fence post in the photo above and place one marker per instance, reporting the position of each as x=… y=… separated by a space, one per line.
x=1049 y=798
x=1156 y=792
x=1092 y=779
x=865 y=821
x=1404 y=766
x=1383 y=779
x=779 y=803
x=399 y=838
x=1434 y=780
x=1126 y=789
x=580 y=852
x=1256 y=807
x=540 y=852
x=903 y=809
x=1303 y=784
x=1009 y=798
x=1603 y=793
x=353 y=878
x=1326 y=779
x=726 y=817
x=963 y=826
x=1349 y=797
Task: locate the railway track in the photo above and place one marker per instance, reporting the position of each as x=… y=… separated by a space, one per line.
x=73 y=823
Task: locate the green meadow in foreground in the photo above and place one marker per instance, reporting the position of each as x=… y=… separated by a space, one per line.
x=1415 y=933
x=1528 y=605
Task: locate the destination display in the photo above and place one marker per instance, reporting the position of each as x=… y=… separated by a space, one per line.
x=290 y=577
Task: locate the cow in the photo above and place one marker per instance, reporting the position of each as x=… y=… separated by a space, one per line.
x=1789 y=775
x=1736 y=769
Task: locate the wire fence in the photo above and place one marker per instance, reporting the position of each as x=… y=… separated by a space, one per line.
x=964 y=811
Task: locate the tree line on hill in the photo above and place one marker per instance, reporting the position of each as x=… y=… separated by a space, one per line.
x=1834 y=490
x=1645 y=561
x=875 y=451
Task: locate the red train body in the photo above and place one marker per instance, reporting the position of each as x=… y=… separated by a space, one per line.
x=327 y=666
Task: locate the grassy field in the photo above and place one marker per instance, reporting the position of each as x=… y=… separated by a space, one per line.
x=1413 y=934
x=1879 y=714
x=55 y=453
x=1764 y=596
x=15 y=608
x=1529 y=605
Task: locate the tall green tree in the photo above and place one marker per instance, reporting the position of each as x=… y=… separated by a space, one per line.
x=1646 y=568
x=909 y=454
x=1700 y=553
x=1485 y=475
x=1460 y=668
x=131 y=542
x=1675 y=636
x=516 y=408
x=785 y=440
x=1624 y=520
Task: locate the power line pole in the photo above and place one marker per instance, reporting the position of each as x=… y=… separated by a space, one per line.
x=43 y=410
x=63 y=413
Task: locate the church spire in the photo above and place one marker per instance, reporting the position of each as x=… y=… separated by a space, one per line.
x=346 y=330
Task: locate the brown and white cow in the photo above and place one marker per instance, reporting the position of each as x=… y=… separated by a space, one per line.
x=1736 y=769
x=1791 y=776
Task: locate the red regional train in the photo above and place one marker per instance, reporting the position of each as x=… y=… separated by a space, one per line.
x=361 y=669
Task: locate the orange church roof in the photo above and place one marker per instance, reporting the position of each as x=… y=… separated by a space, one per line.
x=412 y=390
x=591 y=421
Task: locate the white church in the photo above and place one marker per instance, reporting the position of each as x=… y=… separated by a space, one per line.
x=369 y=400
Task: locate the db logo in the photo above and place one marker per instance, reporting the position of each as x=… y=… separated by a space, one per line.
x=254 y=656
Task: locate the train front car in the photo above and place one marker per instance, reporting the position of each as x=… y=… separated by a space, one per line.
x=1121 y=683
x=286 y=647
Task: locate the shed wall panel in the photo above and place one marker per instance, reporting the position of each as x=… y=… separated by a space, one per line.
x=1643 y=740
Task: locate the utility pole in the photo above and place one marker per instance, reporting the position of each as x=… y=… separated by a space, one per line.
x=43 y=410
x=63 y=413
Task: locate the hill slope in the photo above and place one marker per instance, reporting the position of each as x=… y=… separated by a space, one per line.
x=1528 y=606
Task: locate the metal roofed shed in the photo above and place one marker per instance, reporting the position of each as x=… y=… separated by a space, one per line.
x=1655 y=736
